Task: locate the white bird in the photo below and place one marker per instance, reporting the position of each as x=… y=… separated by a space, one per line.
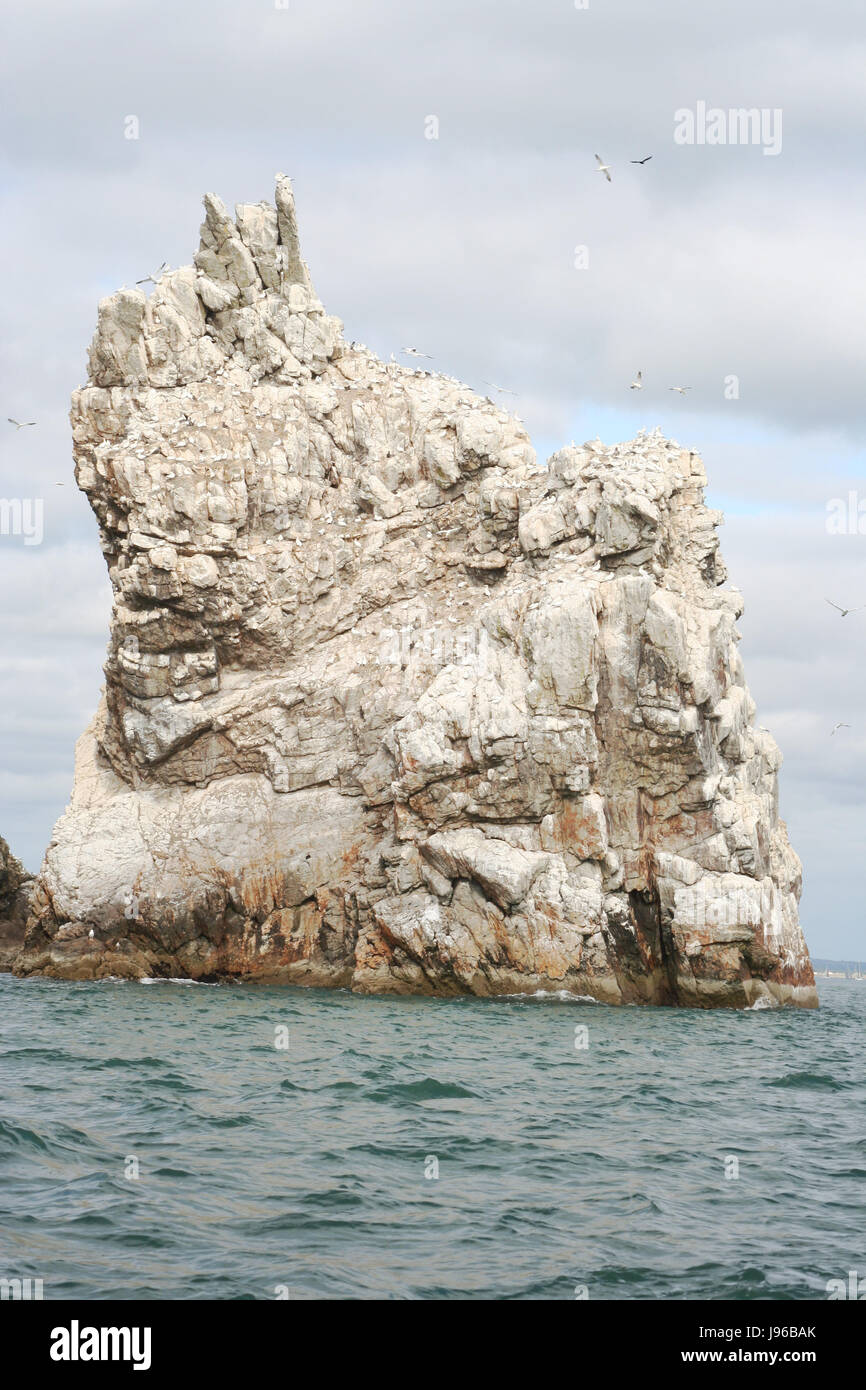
x=844 y=611
x=504 y=389
x=637 y=384
x=20 y=424
x=602 y=167
x=155 y=276
x=838 y=726
x=413 y=352
x=91 y=933
x=682 y=389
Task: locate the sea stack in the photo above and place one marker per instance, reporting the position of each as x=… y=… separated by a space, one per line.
x=389 y=705
x=16 y=887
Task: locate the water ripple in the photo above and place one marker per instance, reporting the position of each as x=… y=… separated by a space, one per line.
x=155 y=1143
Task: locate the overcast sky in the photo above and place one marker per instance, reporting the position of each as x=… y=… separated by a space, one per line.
x=708 y=262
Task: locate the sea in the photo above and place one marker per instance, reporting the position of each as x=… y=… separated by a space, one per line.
x=167 y=1140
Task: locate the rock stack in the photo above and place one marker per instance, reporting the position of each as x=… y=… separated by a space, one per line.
x=389 y=705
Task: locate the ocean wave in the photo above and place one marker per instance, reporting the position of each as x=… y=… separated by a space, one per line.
x=425 y=1147
x=557 y=996
x=173 y=980
x=809 y=1080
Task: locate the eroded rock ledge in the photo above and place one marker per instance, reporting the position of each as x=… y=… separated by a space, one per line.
x=388 y=705
x=16 y=888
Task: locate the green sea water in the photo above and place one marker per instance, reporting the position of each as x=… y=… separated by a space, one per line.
x=173 y=1141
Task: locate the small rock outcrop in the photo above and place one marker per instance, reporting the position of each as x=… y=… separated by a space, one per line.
x=388 y=705
x=16 y=887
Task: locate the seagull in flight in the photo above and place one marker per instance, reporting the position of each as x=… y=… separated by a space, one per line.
x=838 y=726
x=844 y=611
x=20 y=424
x=637 y=384
x=682 y=389
x=602 y=167
x=641 y=161
x=413 y=352
x=504 y=389
x=155 y=275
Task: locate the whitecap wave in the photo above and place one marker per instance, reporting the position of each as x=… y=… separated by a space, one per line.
x=174 y=980
x=562 y=996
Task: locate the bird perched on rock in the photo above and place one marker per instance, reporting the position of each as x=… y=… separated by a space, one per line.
x=91 y=933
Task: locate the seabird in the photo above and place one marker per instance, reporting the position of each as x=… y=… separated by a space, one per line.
x=641 y=161
x=20 y=424
x=845 y=611
x=413 y=352
x=91 y=933
x=681 y=389
x=155 y=275
x=637 y=384
x=838 y=726
x=504 y=389
x=602 y=167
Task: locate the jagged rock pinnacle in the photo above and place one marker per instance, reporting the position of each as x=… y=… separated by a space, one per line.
x=387 y=704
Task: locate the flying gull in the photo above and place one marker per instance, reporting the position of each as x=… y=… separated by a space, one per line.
x=845 y=611
x=637 y=384
x=413 y=352
x=602 y=167
x=20 y=424
x=155 y=276
x=641 y=161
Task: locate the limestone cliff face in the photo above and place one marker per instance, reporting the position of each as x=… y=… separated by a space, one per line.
x=388 y=705
x=16 y=887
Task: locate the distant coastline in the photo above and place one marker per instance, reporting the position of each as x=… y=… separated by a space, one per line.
x=838 y=969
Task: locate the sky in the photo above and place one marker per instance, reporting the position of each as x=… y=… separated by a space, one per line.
x=443 y=157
